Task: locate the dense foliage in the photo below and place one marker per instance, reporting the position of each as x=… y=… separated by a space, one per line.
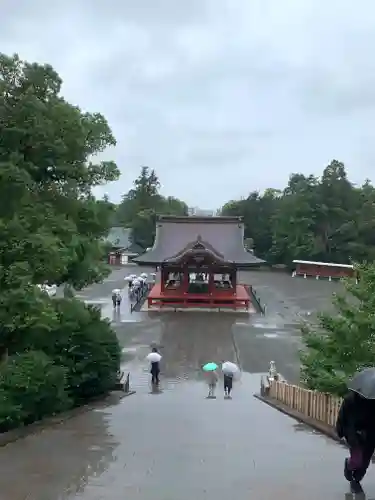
x=142 y=203
x=51 y=230
x=343 y=342
x=325 y=219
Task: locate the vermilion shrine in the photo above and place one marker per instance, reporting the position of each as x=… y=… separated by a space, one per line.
x=198 y=258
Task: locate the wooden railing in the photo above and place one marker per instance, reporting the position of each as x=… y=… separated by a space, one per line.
x=256 y=299
x=316 y=405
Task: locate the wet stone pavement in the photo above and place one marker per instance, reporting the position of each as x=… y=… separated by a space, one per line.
x=175 y=443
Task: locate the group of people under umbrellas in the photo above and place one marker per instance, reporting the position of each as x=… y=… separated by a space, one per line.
x=230 y=371
x=135 y=284
x=356 y=424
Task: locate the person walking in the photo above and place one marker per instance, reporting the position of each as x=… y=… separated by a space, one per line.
x=230 y=370
x=228 y=384
x=212 y=379
x=116 y=297
x=155 y=368
x=356 y=423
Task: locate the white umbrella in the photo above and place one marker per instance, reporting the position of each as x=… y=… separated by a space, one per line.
x=153 y=357
x=133 y=276
x=144 y=275
x=128 y=278
x=230 y=368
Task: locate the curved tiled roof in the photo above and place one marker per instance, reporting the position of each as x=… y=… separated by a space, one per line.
x=222 y=236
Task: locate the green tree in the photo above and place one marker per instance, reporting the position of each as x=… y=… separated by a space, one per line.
x=257 y=211
x=139 y=207
x=324 y=219
x=292 y=224
x=343 y=341
x=51 y=226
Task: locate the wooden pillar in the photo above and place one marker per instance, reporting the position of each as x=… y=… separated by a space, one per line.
x=211 y=282
x=163 y=277
x=185 y=279
x=234 y=280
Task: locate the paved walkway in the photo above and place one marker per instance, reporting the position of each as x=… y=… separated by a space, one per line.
x=176 y=444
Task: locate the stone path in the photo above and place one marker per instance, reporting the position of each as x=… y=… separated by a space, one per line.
x=176 y=444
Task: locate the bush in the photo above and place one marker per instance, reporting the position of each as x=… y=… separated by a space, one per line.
x=342 y=342
x=85 y=345
x=32 y=387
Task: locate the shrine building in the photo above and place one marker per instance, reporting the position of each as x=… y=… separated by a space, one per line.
x=329 y=270
x=198 y=259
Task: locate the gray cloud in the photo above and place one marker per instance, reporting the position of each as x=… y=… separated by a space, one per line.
x=221 y=97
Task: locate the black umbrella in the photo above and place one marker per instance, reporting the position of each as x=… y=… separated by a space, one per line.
x=364 y=383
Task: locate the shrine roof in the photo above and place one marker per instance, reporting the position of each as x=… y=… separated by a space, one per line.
x=223 y=234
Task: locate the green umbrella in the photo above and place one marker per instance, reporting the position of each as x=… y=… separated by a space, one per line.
x=210 y=367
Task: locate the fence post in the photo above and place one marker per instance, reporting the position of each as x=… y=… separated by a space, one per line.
x=328 y=408
x=309 y=403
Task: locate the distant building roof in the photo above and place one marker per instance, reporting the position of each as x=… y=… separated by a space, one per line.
x=222 y=236
x=201 y=212
x=120 y=237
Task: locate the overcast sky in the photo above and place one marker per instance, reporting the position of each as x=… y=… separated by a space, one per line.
x=221 y=97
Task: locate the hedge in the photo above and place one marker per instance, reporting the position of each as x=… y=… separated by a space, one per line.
x=56 y=370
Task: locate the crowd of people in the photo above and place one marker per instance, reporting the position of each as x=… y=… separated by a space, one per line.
x=136 y=287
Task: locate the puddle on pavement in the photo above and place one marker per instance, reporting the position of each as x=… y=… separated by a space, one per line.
x=178 y=445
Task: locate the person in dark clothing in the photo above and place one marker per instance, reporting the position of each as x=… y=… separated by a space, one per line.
x=116 y=297
x=228 y=384
x=356 y=423
x=155 y=370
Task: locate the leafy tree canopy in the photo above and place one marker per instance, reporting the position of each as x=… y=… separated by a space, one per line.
x=344 y=341
x=326 y=219
x=51 y=226
x=142 y=203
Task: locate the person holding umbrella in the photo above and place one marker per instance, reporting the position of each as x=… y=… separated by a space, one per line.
x=212 y=378
x=229 y=370
x=154 y=357
x=116 y=297
x=356 y=423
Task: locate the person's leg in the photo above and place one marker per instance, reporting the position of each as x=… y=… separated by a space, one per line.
x=225 y=385
x=366 y=451
x=230 y=385
x=348 y=473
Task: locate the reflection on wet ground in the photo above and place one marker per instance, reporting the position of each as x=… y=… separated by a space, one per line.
x=174 y=443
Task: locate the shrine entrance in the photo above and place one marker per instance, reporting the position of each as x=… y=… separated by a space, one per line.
x=199 y=276
x=198 y=258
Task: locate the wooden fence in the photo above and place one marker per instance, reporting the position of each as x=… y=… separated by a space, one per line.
x=316 y=405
